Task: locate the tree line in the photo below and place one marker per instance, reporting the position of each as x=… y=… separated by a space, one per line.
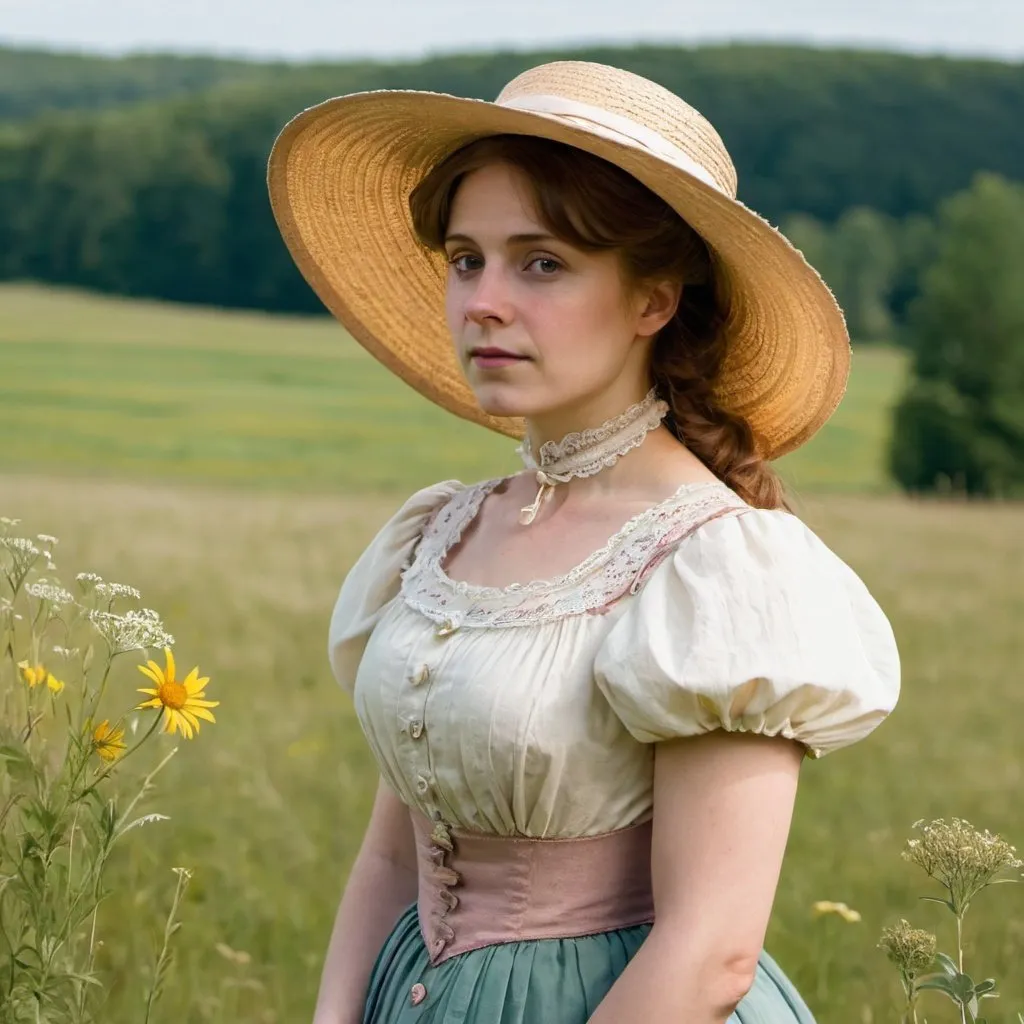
x=166 y=197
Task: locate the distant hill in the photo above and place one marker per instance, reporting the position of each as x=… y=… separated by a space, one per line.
x=159 y=188
x=35 y=81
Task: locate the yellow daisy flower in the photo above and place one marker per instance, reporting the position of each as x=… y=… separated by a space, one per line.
x=182 y=701
x=36 y=674
x=108 y=742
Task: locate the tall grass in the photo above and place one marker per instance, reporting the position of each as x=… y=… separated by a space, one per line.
x=268 y=809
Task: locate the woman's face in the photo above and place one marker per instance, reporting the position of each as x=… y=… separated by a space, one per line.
x=540 y=327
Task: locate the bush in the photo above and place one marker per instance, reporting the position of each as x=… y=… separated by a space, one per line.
x=960 y=422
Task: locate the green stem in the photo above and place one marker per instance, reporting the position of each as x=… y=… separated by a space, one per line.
x=960 y=958
x=163 y=960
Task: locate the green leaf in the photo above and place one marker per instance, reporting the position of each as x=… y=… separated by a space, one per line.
x=19 y=765
x=963 y=985
x=948 y=964
x=935 y=899
x=940 y=983
x=986 y=988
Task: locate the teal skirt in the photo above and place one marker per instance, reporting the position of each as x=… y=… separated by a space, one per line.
x=546 y=981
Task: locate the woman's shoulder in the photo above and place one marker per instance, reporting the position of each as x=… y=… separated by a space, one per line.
x=423 y=505
x=770 y=543
x=753 y=624
x=374 y=580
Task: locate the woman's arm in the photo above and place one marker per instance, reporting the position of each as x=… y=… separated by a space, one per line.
x=723 y=804
x=382 y=883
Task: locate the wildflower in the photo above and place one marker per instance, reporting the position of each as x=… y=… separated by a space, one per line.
x=182 y=702
x=113 y=590
x=88 y=580
x=912 y=950
x=22 y=551
x=960 y=858
x=108 y=741
x=44 y=591
x=132 y=631
x=828 y=907
x=36 y=674
x=46 y=538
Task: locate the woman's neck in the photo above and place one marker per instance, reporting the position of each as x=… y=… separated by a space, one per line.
x=590 y=413
x=590 y=452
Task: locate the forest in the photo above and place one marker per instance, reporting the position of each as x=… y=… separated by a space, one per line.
x=145 y=175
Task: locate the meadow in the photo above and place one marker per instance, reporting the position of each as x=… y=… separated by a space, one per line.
x=149 y=391
x=232 y=466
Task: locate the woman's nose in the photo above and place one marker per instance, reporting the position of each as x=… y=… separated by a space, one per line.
x=489 y=301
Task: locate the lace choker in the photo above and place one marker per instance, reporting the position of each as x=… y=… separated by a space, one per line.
x=587 y=452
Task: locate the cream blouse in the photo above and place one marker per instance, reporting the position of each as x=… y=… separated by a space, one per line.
x=532 y=709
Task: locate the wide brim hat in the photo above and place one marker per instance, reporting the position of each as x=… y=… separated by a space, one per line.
x=341 y=173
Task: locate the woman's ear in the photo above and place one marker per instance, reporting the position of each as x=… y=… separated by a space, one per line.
x=660 y=305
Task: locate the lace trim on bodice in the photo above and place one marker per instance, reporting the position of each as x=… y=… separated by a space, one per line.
x=617 y=568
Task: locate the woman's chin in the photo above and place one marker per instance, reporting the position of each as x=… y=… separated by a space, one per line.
x=503 y=400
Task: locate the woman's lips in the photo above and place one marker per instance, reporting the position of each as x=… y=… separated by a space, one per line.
x=493 y=358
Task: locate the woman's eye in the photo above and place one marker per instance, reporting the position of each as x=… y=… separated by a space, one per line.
x=545 y=265
x=465 y=263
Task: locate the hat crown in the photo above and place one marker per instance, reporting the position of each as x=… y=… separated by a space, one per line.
x=628 y=96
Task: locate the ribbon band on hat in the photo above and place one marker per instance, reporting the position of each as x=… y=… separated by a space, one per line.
x=610 y=124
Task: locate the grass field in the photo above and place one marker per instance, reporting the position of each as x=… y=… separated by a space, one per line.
x=100 y=386
x=267 y=806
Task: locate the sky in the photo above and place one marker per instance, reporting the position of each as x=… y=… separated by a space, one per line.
x=309 y=29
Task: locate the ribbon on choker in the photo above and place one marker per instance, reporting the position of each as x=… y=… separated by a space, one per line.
x=546 y=483
x=589 y=451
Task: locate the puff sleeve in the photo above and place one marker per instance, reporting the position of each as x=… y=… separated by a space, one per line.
x=754 y=625
x=374 y=581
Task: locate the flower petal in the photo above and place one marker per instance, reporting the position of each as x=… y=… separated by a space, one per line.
x=154 y=703
x=195 y=702
x=170 y=662
x=152 y=671
x=152 y=693
x=195 y=685
x=206 y=716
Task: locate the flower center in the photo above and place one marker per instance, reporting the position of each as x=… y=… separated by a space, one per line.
x=173 y=695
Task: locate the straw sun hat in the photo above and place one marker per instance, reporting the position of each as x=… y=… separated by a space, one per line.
x=341 y=173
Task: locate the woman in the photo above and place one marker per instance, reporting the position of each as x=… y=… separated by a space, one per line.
x=589 y=686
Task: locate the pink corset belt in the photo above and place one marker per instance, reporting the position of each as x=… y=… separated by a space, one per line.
x=476 y=890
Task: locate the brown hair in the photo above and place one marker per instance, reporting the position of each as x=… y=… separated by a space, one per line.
x=594 y=205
